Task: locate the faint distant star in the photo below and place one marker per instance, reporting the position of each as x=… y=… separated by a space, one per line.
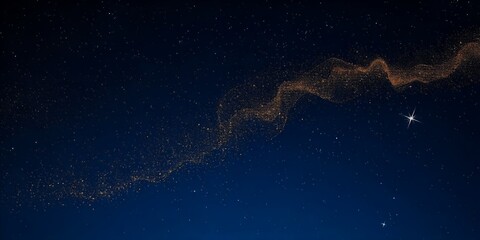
x=383 y=224
x=411 y=118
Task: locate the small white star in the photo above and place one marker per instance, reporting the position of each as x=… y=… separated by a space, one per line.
x=383 y=224
x=411 y=118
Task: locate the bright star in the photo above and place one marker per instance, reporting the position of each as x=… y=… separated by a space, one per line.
x=383 y=224
x=411 y=118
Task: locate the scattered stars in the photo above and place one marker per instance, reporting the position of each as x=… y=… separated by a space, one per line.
x=148 y=110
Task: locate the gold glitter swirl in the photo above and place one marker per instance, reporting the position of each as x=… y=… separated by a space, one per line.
x=334 y=80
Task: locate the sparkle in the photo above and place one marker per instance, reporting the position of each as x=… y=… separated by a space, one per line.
x=383 y=224
x=411 y=118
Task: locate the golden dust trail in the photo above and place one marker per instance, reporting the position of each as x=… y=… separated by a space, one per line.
x=334 y=80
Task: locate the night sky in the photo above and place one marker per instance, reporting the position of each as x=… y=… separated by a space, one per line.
x=151 y=120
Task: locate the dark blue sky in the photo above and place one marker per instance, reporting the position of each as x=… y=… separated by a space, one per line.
x=91 y=86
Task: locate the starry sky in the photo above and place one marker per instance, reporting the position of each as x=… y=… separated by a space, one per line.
x=97 y=98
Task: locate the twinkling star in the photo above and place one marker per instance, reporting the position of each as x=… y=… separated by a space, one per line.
x=411 y=118
x=383 y=224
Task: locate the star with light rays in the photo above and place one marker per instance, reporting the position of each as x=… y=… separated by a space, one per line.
x=411 y=118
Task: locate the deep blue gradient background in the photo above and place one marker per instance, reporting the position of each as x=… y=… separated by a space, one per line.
x=87 y=83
